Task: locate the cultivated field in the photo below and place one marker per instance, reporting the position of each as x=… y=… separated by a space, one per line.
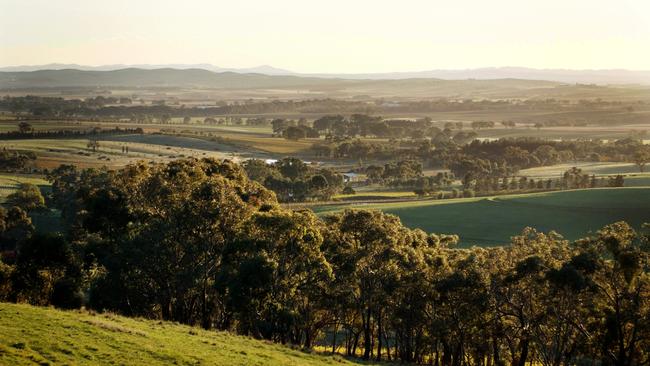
x=54 y=152
x=488 y=221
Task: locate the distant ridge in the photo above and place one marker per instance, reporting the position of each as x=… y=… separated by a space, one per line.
x=163 y=77
x=262 y=69
x=609 y=76
x=603 y=76
x=245 y=85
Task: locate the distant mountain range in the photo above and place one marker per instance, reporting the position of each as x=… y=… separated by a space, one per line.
x=263 y=69
x=558 y=75
x=163 y=77
x=605 y=76
x=239 y=85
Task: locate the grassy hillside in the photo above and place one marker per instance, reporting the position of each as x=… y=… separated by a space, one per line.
x=493 y=220
x=41 y=336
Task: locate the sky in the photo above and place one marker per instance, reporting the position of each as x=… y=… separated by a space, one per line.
x=329 y=36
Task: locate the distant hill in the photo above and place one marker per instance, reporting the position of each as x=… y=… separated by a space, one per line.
x=558 y=75
x=603 y=76
x=250 y=85
x=262 y=69
x=168 y=77
x=32 y=336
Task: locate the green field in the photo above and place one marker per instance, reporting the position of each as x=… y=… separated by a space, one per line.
x=53 y=152
x=488 y=221
x=41 y=336
x=555 y=171
x=371 y=195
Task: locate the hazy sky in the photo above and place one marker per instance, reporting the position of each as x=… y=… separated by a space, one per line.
x=329 y=35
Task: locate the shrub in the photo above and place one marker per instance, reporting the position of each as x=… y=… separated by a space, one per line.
x=468 y=193
x=28 y=197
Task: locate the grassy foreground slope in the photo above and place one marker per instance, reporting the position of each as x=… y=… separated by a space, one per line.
x=489 y=221
x=42 y=336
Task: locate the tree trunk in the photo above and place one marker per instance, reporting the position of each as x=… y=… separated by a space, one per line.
x=523 y=354
x=205 y=317
x=166 y=310
x=446 y=354
x=387 y=348
x=336 y=325
x=458 y=354
x=495 y=351
x=308 y=339
x=367 y=347
x=379 y=343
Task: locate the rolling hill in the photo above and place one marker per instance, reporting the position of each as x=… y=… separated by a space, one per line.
x=44 y=336
x=313 y=87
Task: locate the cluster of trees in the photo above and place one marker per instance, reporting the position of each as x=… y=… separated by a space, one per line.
x=459 y=151
x=337 y=128
x=401 y=170
x=14 y=160
x=477 y=125
x=293 y=180
x=365 y=125
x=575 y=178
x=27 y=197
x=199 y=243
x=354 y=149
x=480 y=160
x=15 y=223
x=293 y=130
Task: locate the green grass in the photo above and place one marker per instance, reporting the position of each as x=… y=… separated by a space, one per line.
x=493 y=220
x=42 y=336
x=638 y=180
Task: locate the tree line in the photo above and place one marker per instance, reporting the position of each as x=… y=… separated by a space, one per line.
x=610 y=112
x=198 y=242
x=25 y=131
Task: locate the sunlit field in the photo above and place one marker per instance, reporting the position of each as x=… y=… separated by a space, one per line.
x=83 y=338
x=489 y=221
x=325 y=183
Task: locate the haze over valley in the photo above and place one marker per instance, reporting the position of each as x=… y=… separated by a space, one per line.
x=414 y=183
